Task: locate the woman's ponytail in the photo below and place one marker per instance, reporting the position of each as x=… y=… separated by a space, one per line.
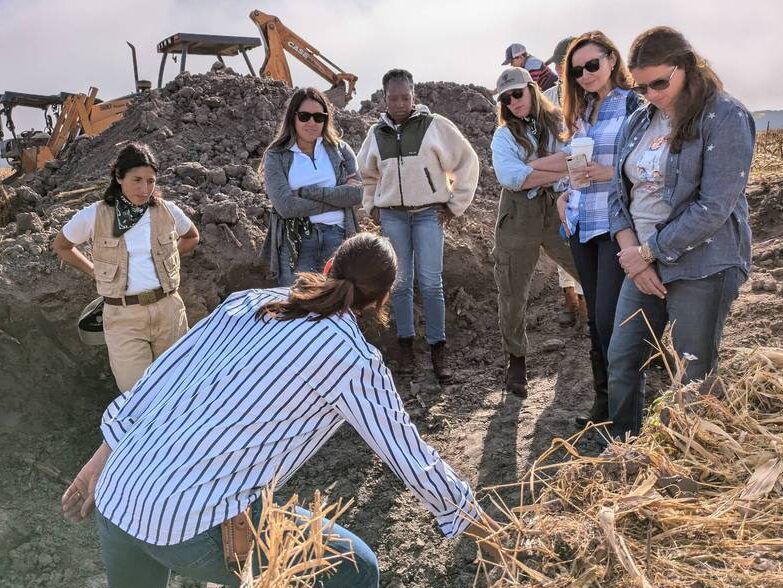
x=313 y=294
x=362 y=274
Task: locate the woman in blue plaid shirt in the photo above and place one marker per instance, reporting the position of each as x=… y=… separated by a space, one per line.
x=596 y=101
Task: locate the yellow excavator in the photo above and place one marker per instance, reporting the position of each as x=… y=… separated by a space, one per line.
x=278 y=38
x=75 y=114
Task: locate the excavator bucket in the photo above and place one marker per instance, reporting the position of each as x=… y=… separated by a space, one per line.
x=278 y=39
x=337 y=95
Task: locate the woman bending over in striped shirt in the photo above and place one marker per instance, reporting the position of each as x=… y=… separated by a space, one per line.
x=247 y=396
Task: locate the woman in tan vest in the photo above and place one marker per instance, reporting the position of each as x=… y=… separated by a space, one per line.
x=137 y=239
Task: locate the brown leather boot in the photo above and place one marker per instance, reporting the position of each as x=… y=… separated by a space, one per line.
x=406 y=362
x=567 y=316
x=516 y=376
x=440 y=363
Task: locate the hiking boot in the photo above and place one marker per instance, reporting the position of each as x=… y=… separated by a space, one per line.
x=599 y=412
x=440 y=364
x=516 y=376
x=567 y=315
x=406 y=362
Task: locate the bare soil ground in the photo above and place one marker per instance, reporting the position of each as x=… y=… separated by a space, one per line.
x=48 y=422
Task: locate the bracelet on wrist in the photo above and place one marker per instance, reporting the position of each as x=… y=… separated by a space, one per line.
x=646 y=253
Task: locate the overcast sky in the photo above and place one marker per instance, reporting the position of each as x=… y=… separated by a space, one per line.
x=50 y=46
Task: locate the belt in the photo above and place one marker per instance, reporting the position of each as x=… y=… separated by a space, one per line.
x=413 y=208
x=143 y=298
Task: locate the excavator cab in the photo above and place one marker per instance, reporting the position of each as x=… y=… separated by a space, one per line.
x=219 y=46
x=66 y=116
x=14 y=149
x=278 y=38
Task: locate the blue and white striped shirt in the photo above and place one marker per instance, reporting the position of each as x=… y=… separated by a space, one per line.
x=588 y=207
x=237 y=401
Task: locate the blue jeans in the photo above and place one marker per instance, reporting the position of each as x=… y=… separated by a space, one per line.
x=417 y=238
x=314 y=252
x=697 y=310
x=131 y=563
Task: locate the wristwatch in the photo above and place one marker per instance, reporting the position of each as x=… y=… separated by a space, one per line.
x=646 y=253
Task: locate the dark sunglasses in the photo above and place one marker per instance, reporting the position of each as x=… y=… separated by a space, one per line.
x=319 y=117
x=505 y=97
x=592 y=66
x=657 y=85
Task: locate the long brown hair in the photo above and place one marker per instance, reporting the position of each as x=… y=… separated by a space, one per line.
x=667 y=46
x=362 y=274
x=132 y=155
x=544 y=116
x=286 y=133
x=574 y=95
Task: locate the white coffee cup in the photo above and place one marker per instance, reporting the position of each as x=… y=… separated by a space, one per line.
x=583 y=145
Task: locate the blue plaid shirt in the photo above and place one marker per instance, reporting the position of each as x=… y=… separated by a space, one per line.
x=588 y=207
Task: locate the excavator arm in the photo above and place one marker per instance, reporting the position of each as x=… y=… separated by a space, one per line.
x=279 y=38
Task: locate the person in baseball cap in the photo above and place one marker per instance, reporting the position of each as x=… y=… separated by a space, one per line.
x=517 y=56
x=525 y=155
x=513 y=78
x=559 y=54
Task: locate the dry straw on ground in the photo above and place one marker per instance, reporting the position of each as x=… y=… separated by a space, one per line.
x=768 y=158
x=695 y=501
x=295 y=548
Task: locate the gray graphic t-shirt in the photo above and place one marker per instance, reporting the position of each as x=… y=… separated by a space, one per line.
x=645 y=167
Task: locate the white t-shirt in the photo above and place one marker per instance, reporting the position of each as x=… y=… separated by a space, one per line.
x=315 y=171
x=141 y=269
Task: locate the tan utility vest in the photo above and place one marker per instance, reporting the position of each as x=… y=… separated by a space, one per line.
x=110 y=255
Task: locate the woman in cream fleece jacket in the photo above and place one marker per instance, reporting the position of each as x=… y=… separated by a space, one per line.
x=421 y=162
x=418 y=172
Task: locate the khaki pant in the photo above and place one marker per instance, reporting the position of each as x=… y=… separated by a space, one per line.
x=136 y=335
x=565 y=280
x=522 y=228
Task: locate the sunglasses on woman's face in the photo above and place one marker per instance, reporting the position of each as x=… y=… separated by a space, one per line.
x=319 y=117
x=657 y=85
x=505 y=97
x=592 y=66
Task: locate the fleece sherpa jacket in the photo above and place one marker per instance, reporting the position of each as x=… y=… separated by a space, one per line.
x=423 y=161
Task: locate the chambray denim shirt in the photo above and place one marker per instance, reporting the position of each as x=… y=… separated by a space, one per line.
x=510 y=161
x=707 y=230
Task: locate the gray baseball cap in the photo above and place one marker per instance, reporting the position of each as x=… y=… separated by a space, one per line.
x=512 y=51
x=513 y=78
x=560 y=51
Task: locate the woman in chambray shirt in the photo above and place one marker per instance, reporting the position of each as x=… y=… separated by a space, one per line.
x=679 y=214
x=596 y=102
x=524 y=146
